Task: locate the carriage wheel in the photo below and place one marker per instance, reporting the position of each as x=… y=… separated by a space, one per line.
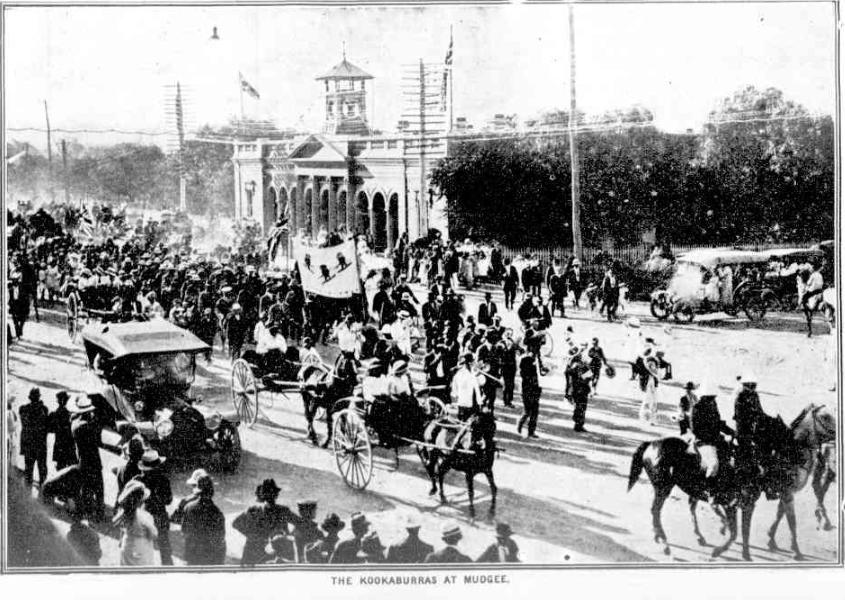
x=73 y=328
x=683 y=314
x=244 y=392
x=659 y=309
x=755 y=309
x=353 y=451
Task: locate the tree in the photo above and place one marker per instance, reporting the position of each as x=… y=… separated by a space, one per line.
x=773 y=168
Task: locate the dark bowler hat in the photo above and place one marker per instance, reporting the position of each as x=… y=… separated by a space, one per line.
x=267 y=489
x=503 y=530
x=332 y=523
x=690 y=386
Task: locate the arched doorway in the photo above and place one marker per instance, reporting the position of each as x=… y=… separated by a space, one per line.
x=309 y=202
x=324 y=211
x=282 y=208
x=362 y=212
x=294 y=213
x=341 y=211
x=379 y=223
x=270 y=207
x=393 y=221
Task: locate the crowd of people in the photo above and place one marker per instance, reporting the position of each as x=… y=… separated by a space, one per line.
x=465 y=358
x=144 y=513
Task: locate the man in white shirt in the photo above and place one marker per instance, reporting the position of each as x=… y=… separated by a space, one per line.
x=466 y=388
x=346 y=338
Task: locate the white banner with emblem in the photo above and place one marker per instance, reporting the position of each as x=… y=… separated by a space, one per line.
x=330 y=272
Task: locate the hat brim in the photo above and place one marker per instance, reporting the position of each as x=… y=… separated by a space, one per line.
x=77 y=410
x=143 y=467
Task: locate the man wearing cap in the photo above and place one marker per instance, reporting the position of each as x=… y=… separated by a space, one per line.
x=86 y=435
x=411 y=549
x=503 y=550
x=449 y=553
x=64 y=449
x=320 y=552
x=507 y=350
x=33 y=440
x=466 y=390
x=203 y=525
x=155 y=479
x=222 y=307
x=346 y=552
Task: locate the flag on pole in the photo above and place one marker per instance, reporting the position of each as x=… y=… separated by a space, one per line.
x=446 y=69
x=246 y=87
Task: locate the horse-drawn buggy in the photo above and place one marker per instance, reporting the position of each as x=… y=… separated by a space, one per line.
x=714 y=280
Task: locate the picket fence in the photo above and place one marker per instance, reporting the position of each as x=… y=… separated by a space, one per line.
x=630 y=255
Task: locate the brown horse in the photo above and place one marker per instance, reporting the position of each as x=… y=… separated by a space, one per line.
x=668 y=463
x=471 y=450
x=814 y=428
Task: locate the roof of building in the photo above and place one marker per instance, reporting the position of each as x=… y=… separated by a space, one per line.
x=345 y=70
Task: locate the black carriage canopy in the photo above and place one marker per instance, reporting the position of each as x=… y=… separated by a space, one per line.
x=117 y=340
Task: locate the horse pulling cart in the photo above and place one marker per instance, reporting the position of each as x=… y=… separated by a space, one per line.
x=359 y=424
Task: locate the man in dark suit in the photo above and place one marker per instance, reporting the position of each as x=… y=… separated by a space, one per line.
x=203 y=527
x=321 y=552
x=449 y=553
x=575 y=281
x=346 y=552
x=487 y=310
x=504 y=550
x=510 y=283
x=412 y=549
x=161 y=495
x=33 y=441
x=86 y=434
x=64 y=450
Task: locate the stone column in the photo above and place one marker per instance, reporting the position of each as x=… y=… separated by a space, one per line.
x=332 y=206
x=350 y=206
x=315 y=206
x=300 y=203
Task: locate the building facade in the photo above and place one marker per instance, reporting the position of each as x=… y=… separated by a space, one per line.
x=343 y=178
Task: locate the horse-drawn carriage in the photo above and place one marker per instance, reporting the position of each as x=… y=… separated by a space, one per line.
x=272 y=373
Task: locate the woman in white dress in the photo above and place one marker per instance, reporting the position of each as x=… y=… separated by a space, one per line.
x=139 y=533
x=648 y=385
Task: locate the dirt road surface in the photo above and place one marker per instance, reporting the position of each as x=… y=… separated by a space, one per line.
x=564 y=494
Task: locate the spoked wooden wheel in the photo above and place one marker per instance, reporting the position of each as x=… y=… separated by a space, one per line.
x=244 y=392
x=353 y=451
x=73 y=328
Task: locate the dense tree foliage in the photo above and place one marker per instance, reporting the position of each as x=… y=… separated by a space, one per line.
x=762 y=170
x=134 y=173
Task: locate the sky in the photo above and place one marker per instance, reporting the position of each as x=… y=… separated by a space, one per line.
x=109 y=68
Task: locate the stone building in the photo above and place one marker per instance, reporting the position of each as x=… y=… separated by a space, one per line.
x=346 y=175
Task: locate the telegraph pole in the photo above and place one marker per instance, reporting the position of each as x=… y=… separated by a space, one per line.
x=49 y=151
x=573 y=146
x=64 y=171
x=421 y=199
